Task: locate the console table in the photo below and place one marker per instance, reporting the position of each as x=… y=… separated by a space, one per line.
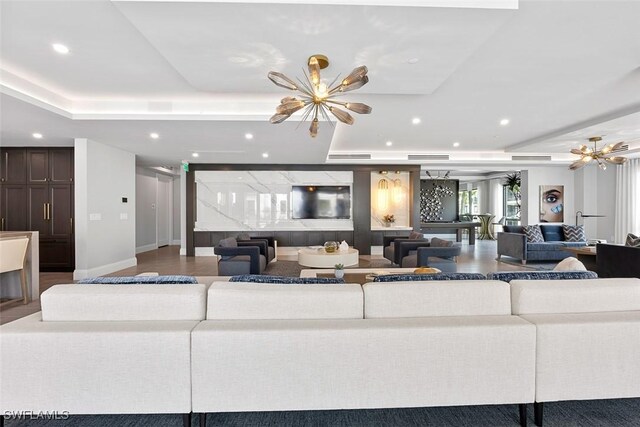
x=457 y=226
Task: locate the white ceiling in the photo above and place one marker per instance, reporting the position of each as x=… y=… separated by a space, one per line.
x=195 y=72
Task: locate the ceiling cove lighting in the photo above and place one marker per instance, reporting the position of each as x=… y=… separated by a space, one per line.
x=154 y=135
x=60 y=48
x=504 y=122
x=317 y=97
x=601 y=156
x=36 y=135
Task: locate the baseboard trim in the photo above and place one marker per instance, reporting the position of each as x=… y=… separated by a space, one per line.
x=146 y=248
x=175 y=242
x=104 y=269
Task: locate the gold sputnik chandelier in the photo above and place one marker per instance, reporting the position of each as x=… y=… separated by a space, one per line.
x=601 y=157
x=318 y=98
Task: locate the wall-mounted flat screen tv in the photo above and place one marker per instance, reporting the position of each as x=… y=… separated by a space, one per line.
x=321 y=202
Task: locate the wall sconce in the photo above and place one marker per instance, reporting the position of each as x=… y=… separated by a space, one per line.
x=383 y=195
x=397 y=191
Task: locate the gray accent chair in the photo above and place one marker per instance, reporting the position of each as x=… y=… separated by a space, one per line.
x=441 y=254
x=271 y=246
x=513 y=243
x=241 y=257
x=396 y=248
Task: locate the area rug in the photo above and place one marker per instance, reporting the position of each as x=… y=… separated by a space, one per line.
x=530 y=265
x=589 y=413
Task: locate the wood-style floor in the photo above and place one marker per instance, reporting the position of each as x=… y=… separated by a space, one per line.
x=479 y=258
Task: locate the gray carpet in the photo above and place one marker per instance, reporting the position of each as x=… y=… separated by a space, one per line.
x=598 y=413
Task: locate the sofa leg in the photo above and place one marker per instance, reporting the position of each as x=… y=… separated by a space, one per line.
x=524 y=262
x=523 y=414
x=203 y=419
x=537 y=413
x=186 y=420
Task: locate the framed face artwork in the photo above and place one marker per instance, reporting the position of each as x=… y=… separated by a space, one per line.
x=552 y=203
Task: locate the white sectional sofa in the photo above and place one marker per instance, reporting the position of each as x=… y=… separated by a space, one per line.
x=103 y=349
x=588 y=337
x=319 y=347
x=121 y=349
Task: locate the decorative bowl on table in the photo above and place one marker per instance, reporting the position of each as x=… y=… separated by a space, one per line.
x=330 y=247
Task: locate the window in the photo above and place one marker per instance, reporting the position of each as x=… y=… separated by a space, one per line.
x=475 y=203
x=464 y=207
x=510 y=207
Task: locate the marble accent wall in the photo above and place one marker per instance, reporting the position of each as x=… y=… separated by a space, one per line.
x=260 y=200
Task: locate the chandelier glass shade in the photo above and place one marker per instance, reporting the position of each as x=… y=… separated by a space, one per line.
x=601 y=157
x=318 y=98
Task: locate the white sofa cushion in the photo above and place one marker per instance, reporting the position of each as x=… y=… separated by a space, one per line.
x=239 y=300
x=434 y=298
x=96 y=367
x=123 y=302
x=575 y=296
x=272 y=365
x=583 y=356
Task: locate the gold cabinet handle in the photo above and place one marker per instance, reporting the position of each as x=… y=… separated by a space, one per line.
x=2 y=225
x=49 y=211
x=44 y=211
x=71 y=223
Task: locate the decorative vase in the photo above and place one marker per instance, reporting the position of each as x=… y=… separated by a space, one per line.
x=338 y=273
x=330 y=247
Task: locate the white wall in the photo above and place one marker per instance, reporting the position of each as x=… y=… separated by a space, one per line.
x=533 y=178
x=595 y=195
x=105 y=226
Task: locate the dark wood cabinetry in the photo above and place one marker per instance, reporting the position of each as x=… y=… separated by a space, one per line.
x=36 y=194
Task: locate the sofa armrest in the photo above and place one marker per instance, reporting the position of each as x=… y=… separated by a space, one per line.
x=252 y=251
x=387 y=240
x=260 y=243
x=425 y=253
x=404 y=246
x=513 y=245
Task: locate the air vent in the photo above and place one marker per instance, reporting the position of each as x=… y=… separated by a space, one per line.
x=349 y=156
x=529 y=158
x=428 y=157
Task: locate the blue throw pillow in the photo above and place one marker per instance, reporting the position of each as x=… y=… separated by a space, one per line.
x=508 y=276
x=261 y=278
x=428 y=277
x=138 y=280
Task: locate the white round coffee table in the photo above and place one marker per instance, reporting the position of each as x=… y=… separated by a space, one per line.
x=318 y=258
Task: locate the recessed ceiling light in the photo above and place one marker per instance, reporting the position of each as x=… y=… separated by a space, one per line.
x=456 y=144
x=248 y=135
x=389 y=143
x=154 y=135
x=37 y=135
x=504 y=122
x=413 y=60
x=265 y=155
x=60 y=48
x=416 y=120
x=195 y=154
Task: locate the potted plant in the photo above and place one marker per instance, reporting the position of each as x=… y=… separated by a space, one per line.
x=339 y=271
x=513 y=181
x=388 y=220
